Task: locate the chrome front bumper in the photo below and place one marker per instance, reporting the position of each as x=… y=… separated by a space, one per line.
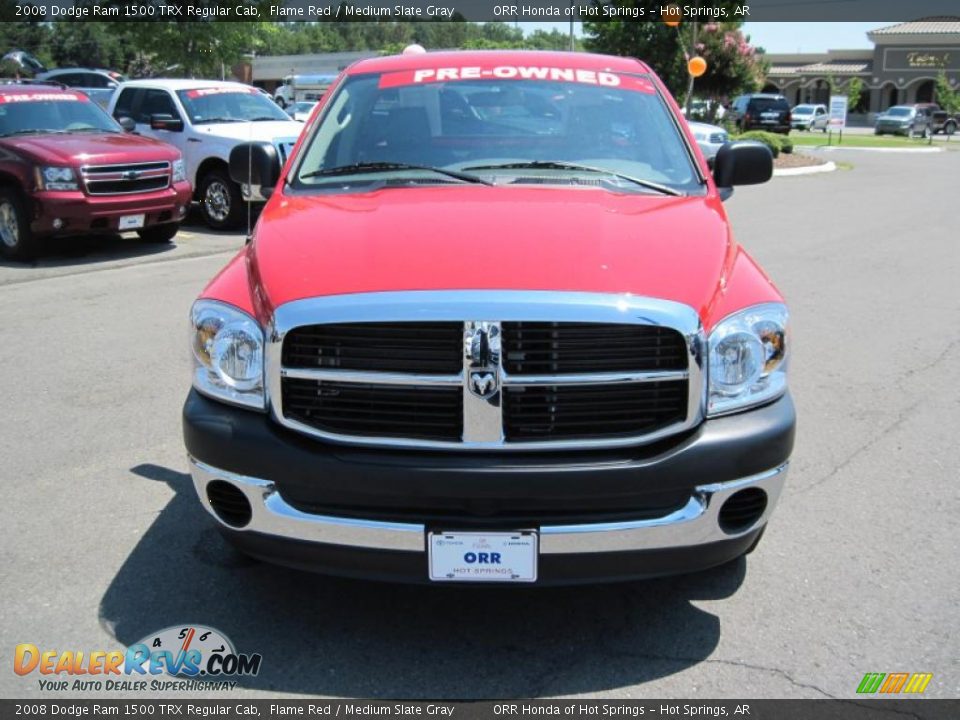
x=696 y=523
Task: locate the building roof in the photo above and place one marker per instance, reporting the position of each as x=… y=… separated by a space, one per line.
x=836 y=68
x=931 y=25
x=822 y=68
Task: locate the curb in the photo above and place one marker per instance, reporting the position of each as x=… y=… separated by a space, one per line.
x=834 y=148
x=811 y=170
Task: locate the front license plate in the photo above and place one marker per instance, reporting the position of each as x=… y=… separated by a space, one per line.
x=483 y=557
x=131 y=222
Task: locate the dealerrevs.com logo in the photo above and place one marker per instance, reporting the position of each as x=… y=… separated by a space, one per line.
x=182 y=657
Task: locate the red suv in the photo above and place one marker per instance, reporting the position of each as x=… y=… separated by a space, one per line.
x=493 y=326
x=68 y=168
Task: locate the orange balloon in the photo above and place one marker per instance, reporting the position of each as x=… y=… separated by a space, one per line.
x=697 y=66
x=671 y=16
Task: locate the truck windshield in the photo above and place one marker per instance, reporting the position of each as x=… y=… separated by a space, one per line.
x=900 y=111
x=611 y=130
x=22 y=114
x=229 y=104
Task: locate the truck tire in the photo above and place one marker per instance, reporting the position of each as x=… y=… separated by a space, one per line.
x=16 y=238
x=159 y=233
x=949 y=128
x=220 y=200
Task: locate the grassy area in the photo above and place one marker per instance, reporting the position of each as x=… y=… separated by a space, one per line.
x=818 y=139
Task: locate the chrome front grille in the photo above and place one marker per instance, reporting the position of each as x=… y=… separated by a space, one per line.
x=477 y=370
x=126 y=179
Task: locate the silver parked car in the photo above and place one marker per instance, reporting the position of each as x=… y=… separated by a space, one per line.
x=97 y=84
x=810 y=117
x=710 y=138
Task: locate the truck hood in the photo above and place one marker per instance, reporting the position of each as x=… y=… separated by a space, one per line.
x=491 y=238
x=92 y=148
x=266 y=131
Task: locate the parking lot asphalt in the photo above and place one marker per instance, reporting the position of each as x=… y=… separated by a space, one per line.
x=103 y=540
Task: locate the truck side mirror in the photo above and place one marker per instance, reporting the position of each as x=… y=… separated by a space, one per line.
x=127 y=123
x=163 y=121
x=741 y=163
x=256 y=167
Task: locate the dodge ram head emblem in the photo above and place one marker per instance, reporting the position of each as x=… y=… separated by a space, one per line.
x=482 y=383
x=481 y=352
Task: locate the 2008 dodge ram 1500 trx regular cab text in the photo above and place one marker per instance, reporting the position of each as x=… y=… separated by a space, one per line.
x=67 y=168
x=492 y=326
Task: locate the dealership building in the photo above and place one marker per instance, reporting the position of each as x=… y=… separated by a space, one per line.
x=901 y=69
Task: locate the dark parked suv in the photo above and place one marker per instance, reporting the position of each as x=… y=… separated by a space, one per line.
x=761 y=112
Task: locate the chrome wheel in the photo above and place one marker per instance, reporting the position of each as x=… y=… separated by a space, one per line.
x=9 y=225
x=216 y=200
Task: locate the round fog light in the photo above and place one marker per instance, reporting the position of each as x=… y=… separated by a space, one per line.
x=57 y=223
x=229 y=503
x=182 y=209
x=742 y=510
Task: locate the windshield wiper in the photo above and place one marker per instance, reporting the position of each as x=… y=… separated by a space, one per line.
x=217 y=120
x=372 y=167
x=29 y=132
x=559 y=165
x=265 y=118
x=92 y=129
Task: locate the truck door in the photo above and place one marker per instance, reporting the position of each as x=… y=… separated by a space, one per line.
x=157 y=101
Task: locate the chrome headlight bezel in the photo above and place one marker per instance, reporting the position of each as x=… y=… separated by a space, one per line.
x=178 y=170
x=56 y=177
x=747 y=359
x=227 y=347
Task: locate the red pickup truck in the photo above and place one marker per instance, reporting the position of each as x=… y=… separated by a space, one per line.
x=492 y=326
x=68 y=168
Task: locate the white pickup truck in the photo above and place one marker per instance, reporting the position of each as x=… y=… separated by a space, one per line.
x=205 y=120
x=302 y=88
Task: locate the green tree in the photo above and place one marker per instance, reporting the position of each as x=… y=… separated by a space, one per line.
x=947 y=96
x=655 y=43
x=88 y=44
x=32 y=36
x=855 y=94
x=734 y=66
x=194 y=48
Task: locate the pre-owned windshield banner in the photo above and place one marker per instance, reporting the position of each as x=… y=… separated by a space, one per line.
x=502 y=71
x=478 y=10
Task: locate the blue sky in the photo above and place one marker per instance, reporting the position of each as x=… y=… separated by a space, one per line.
x=790 y=37
x=782 y=37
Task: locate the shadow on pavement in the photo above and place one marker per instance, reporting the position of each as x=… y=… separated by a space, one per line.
x=347 y=638
x=90 y=249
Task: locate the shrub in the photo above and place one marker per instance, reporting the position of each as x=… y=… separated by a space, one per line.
x=772 y=141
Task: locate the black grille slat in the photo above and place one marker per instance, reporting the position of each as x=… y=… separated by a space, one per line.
x=552 y=348
x=429 y=413
x=109 y=180
x=426 y=348
x=555 y=412
x=119 y=187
